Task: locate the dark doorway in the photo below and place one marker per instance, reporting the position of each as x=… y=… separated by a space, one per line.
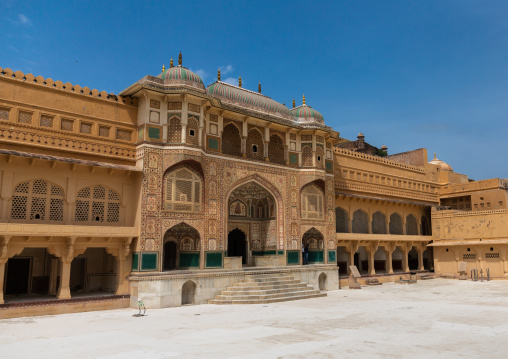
x=78 y=274
x=357 y=261
x=18 y=274
x=237 y=246
x=169 y=255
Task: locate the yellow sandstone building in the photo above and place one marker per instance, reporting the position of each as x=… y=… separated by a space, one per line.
x=173 y=192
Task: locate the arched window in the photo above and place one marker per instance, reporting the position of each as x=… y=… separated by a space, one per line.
x=360 y=222
x=378 y=223
x=425 y=231
x=37 y=200
x=312 y=202
x=276 y=149
x=97 y=204
x=307 y=156
x=341 y=220
x=395 y=224
x=192 y=136
x=182 y=190
x=174 y=130
x=255 y=147
x=411 y=226
x=231 y=141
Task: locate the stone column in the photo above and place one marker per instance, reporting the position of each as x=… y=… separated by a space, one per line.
x=351 y=258
x=185 y=118
x=405 y=263
x=2 y=275
x=64 y=292
x=265 y=149
x=244 y=147
x=184 y=133
x=420 y=250
x=372 y=270
x=389 y=258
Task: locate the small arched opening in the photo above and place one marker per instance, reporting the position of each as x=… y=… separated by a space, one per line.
x=188 y=292
x=237 y=245
x=413 y=259
x=323 y=285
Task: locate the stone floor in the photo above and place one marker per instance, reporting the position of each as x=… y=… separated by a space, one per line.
x=431 y=319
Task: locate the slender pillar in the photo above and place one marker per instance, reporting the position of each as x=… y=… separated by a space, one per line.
x=120 y=269
x=2 y=275
x=405 y=263
x=389 y=260
x=420 y=258
x=372 y=270
x=244 y=147
x=65 y=275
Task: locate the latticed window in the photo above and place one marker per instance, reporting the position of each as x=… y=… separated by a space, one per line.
x=192 y=137
x=307 y=156
x=174 y=130
x=231 y=141
x=276 y=150
x=37 y=200
x=182 y=190
x=25 y=117
x=320 y=157
x=312 y=202
x=411 y=226
x=46 y=121
x=97 y=204
x=255 y=145
x=4 y=113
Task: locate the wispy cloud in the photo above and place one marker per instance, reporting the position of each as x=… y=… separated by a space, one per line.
x=232 y=81
x=22 y=19
x=201 y=73
x=226 y=69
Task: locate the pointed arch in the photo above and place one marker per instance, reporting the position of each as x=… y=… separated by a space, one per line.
x=231 y=140
x=341 y=220
x=378 y=223
x=174 y=130
x=255 y=147
x=395 y=225
x=411 y=225
x=360 y=221
x=182 y=189
x=97 y=204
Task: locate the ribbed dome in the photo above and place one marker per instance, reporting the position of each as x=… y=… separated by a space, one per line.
x=249 y=99
x=442 y=165
x=179 y=75
x=306 y=114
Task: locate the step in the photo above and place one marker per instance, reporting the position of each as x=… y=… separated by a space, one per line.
x=267 y=287
x=267 y=282
x=265 y=301
x=265 y=292
x=266 y=296
x=263 y=276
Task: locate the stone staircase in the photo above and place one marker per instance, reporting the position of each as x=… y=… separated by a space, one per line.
x=266 y=288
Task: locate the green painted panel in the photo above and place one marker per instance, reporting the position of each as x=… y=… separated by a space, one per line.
x=280 y=253
x=140 y=133
x=329 y=165
x=264 y=253
x=135 y=261
x=188 y=260
x=293 y=257
x=315 y=256
x=293 y=159
x=149 y=261
x=213 y=259
x=213 y=143
x=154 y=132
x=331 y=257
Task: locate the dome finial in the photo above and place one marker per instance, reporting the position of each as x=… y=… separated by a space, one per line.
x=171 y=63
x=163 y=68
x=240 y=81
x=180 y=59
x=294 y=104
x=284 y=103
x=304 y=99
x=435 y=156
x=218 y=75
x=259 y=87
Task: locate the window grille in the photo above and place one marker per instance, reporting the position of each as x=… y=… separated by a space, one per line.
x=47 y=121
x=276 y=150
x=183 y=190
x=93 y=207
x=469 y=256
x=37 y=200
x=491 y=255
x=307 y=156
x=312 y=202
x=231 y=142
x=4 y=114
x=25 y=117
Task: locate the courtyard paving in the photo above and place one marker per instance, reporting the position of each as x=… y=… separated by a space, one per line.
x=431 y=319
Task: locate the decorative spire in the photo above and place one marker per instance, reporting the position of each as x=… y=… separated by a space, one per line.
x=435 y=156
x=240 y=82
x=294 y=104
x=284 y=103
x=259 y=87
x=163 y=68
x=180 y=59
x=304 y=99
x=171 y=63
x=218 y=75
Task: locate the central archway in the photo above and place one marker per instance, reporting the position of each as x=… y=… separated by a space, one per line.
x=237 y=245
x=181 y=247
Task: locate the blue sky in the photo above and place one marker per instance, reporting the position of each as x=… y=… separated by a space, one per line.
x=408 y=74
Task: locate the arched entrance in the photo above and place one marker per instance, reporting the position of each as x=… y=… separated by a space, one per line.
x=315 y=240
x=181 y=248
x=237 y=245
